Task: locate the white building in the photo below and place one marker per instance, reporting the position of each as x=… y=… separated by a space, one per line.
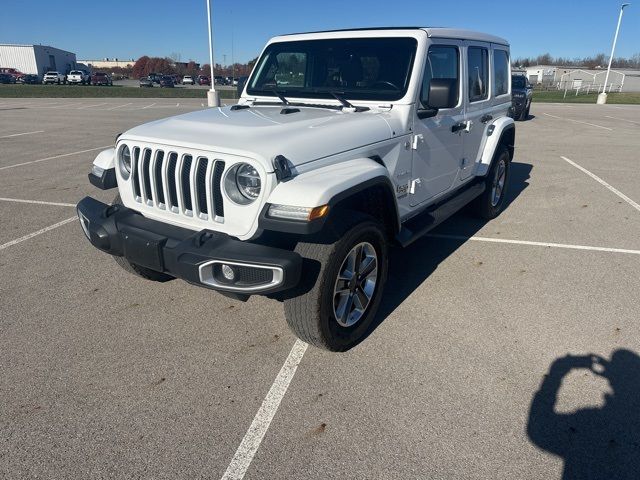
x=575 y=77
x=109 y=63
x=36 y=59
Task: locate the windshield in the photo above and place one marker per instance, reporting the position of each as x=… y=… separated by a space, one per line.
x=357 y=68
x=519 y=82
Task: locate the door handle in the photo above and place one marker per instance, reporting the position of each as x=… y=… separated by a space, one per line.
x=486 y=118
x=459 y=127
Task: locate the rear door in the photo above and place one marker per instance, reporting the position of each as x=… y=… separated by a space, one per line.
x=478 y=100
x=437 y=145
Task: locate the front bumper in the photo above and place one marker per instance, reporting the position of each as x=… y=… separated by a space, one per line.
x=201 y=258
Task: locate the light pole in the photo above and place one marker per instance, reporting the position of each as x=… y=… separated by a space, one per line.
x=602 y=98
x=213 y=98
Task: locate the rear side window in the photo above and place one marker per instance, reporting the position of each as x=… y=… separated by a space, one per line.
x=443 y=62
x=478 y=68
x=501 y=72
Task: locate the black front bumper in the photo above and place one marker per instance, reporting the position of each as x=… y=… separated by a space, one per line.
x=197 y=257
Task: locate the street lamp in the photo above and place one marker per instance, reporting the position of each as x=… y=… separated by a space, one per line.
x=213 y=98
x=602 y=98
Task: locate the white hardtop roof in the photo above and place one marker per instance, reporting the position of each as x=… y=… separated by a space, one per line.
x=432 y=32
x=460 y=34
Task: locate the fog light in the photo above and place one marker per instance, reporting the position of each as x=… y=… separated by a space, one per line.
x=228 y=272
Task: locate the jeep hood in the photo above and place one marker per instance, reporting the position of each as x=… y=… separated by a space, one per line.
x=263 y=132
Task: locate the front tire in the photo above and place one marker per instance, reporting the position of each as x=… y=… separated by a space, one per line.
x=336 y=310
x=489 y=205
x=139 y=270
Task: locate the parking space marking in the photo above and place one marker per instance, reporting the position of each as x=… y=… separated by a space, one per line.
x=95 y=105
x=535 y=244
x=253 y=438
x=579 y=121
x=20 y=134
x=34 y=234
x=602 y=182
x=623 y=120
x=36 y=202
x=54 y=157
x=148 y=106
x=119 y=106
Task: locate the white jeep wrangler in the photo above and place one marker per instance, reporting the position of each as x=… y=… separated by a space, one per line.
x=343 y=144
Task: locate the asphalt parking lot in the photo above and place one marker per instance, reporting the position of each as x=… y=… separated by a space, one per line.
x=106 y=375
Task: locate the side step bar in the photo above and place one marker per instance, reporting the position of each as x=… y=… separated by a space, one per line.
x=437 y=213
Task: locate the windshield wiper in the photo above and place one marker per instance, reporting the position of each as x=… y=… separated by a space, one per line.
x=345 y=103
x=280 y=96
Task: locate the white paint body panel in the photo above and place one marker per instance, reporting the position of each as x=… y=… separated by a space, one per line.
x=319 y=186
x=485 y=154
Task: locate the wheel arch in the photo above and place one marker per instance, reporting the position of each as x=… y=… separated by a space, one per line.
x=361 y=185
x=503 y=134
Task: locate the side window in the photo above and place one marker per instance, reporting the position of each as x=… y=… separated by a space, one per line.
x=501 y=72
x=478 y=68
x=442 y=62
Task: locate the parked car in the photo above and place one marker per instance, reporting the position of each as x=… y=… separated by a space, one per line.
x=15 y=73
x=167 y=81
x=219 y=80
x=188 y=80
x=522 y=93
x=241 y=83
x=203 y=80
x=54 y=77
x=29 y=79
x=146 y=82
x=7 y=78
x=100 y=78
x=78 y=77
x=305 y=210
x=155 y=77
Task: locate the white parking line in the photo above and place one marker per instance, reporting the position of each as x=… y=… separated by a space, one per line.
x=602 y=182
x=31 y=235
x=55 y=156
x=535 y=244
x=623 y=120
x=252 y=439
x=148 y=106
x=20 y=134
x=578 y=121
x=119 y=106
x=37 y=202
x=95 y=105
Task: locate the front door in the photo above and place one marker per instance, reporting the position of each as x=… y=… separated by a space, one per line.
x=438 y=141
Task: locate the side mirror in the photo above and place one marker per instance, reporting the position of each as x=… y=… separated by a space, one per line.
x=443 y=93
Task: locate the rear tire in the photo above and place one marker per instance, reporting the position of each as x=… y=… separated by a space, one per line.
x=138 y=270
x=489 y=205
x=332 y=312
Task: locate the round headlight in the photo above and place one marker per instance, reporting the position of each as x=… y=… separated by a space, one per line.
x=243 y=183
x=124 y=161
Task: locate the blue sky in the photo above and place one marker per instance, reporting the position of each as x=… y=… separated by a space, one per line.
x=129 y=29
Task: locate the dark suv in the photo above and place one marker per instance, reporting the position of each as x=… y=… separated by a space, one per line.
x=521 y=93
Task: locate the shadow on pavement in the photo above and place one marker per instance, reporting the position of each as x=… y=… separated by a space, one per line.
x=411 y=266
x=595 y=443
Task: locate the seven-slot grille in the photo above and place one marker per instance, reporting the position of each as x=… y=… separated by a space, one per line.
x=182 y=183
